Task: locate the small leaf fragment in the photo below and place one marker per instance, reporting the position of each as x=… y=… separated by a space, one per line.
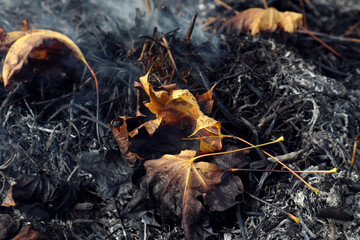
x=29 y=233
x=121 y=135
x=206 y=101
x=8 y=200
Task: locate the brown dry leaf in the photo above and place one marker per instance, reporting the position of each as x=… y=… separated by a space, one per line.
x=7 y=226
x=25 y=25
x=206 y=101
x=176 y=181
x=181 y=107
x=208 y=131
x=7 y=39
x=29 y=234
x=258 y=19
x=121 y=135
x=34 y=44
x=8 y=200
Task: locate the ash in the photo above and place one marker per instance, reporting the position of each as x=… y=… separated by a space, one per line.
x=266 y=88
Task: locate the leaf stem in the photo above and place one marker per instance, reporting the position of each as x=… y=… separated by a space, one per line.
x=238 y=150
x=334 y=170
x=296 y=219
x=265 y=4
x=97 y=101
x=317 y=191
x=354 y=152
x=322 y=42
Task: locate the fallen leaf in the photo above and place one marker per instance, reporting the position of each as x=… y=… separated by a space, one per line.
x=186 y=189
x=7 y=39
x=171 y=106
x=121 y=135
x=35 y=44
x=231 y=160
x=8 y=200
x=208 y=131
x=41 y=197
x=206 y=101
x=258 y=19
x=180 y=107
x=151 y=126
x=140 y=138
x=176 y=182
x=224 y=195
x=29 y=234
x=7 y=226
x=111 y=172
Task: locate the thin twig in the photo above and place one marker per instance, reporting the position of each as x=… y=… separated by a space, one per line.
x=191 y=28
x=228 y=7
x=303 y=12
x=167 y=45
x=324 y=44
x=336 y=38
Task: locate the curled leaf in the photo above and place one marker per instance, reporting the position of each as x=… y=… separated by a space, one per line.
x=208 y=131
x=121 y=135
x=171 y=106
x=8 y=200
x=258 y=19
x=206 y=101
x=40 y=197
x=181 y=108
x=35 y=44
x=7 y=39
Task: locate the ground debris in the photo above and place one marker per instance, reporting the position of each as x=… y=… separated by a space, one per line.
x=266 y=88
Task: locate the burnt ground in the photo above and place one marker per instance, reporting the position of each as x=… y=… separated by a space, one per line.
x=268 y=86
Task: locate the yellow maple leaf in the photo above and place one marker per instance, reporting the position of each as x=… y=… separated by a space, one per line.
x=180 y=107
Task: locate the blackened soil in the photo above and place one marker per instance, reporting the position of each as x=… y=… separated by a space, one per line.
x=268 y=86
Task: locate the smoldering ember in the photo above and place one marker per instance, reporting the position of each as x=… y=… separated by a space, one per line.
x=205 y=119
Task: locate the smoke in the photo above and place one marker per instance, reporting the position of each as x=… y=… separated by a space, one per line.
x=106 y=31
x=126 y=20
x=165 y=15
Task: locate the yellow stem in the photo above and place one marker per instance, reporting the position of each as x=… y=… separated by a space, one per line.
x=317 y=191
x=296 y=219
x=238 y=150
x=228 y=7
x=148 y=7
x=354 y=153
x=265 y=4
x=334 y=170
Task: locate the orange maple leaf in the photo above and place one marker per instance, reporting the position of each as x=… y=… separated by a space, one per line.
x=258 y=19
